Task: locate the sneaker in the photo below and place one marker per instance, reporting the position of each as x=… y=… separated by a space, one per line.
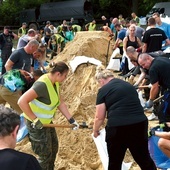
x=152 y=117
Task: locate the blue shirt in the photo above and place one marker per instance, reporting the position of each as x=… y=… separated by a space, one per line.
x=165 y=27
x=121 y=34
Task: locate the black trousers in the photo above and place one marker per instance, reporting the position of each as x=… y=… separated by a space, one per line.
x=133 y=137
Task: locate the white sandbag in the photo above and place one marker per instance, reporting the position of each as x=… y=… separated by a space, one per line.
x=102 y=150
x=114 y=63
x=115 y=53
x=78 y=60
x=130 y=65
x=142 y=101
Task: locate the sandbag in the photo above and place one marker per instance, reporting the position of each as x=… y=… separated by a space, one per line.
x=114 y=63
x=142 y=101
x=102 y=150
x=23 y=131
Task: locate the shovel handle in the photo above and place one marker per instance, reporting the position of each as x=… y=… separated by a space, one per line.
x=58 y=126
x=146 y=86
x=157 y=99
x=65 y=126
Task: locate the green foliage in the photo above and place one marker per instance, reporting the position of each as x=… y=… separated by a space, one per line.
x=10 y=9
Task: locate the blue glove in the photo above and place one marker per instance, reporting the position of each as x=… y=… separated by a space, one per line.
x=148 y=104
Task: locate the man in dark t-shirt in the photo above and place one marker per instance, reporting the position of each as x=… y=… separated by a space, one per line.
x=159 y=69
x=11 y=159
x=127 y=124
x=153 y=37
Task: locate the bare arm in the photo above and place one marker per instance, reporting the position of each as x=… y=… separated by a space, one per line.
x=24 y=100
x=144 y=47
x=15 y=36
x=154 y=91
x=167 y=42
x=99 y=118
x=139 y=43
x=9 y=64
x=141 y=77
x=118 y=41
x=165 y=135
x=124 y=44
x=63 y=109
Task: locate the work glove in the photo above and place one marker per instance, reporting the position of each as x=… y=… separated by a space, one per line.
x=148 y=104
x=135 y=86
x=36 y=124
x=74 y=122
x=151 y=132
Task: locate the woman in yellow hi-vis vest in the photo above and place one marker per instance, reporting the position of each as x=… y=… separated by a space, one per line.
x=39 y=105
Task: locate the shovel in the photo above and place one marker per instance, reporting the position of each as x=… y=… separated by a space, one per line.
x=81 y=126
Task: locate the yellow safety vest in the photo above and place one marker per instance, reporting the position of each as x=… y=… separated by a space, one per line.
x=92 y=27
x=23 y=31
x=59 y=39
x=43 y=111
x=78 y=27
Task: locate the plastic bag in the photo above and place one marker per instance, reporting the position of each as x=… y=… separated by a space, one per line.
x=23 y=131
x=102 y=150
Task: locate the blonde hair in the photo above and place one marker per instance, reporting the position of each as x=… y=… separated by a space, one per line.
x=102 y=73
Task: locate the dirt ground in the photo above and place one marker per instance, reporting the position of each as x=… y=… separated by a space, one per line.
x=77 y=150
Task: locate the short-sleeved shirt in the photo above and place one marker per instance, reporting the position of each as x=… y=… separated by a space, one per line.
x=165 y=27
x=122 y=103
x=121 y=34
x=11 y=159
x=21 y=60
x=23 y=41
x=154 y=38
x=44 y=97
x=47 y=32
x=159 y=72
x=106 y=21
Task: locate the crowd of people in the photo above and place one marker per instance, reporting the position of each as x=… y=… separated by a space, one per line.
x=24 y=77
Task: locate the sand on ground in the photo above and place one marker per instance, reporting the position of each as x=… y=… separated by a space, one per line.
x=77 y=150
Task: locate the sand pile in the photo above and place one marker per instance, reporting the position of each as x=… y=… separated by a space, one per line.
x=77 y=150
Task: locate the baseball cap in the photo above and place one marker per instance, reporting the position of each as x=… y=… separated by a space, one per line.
x=24 y=23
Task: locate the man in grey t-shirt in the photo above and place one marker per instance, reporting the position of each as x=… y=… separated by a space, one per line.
x=22 y=58
x=23 y=41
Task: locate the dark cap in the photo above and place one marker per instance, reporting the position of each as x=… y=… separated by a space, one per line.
x=7 y=27
x=24 y=23
x=48 y=22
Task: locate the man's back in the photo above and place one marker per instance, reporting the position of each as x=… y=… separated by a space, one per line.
x=154 y=38
x=13 y=160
